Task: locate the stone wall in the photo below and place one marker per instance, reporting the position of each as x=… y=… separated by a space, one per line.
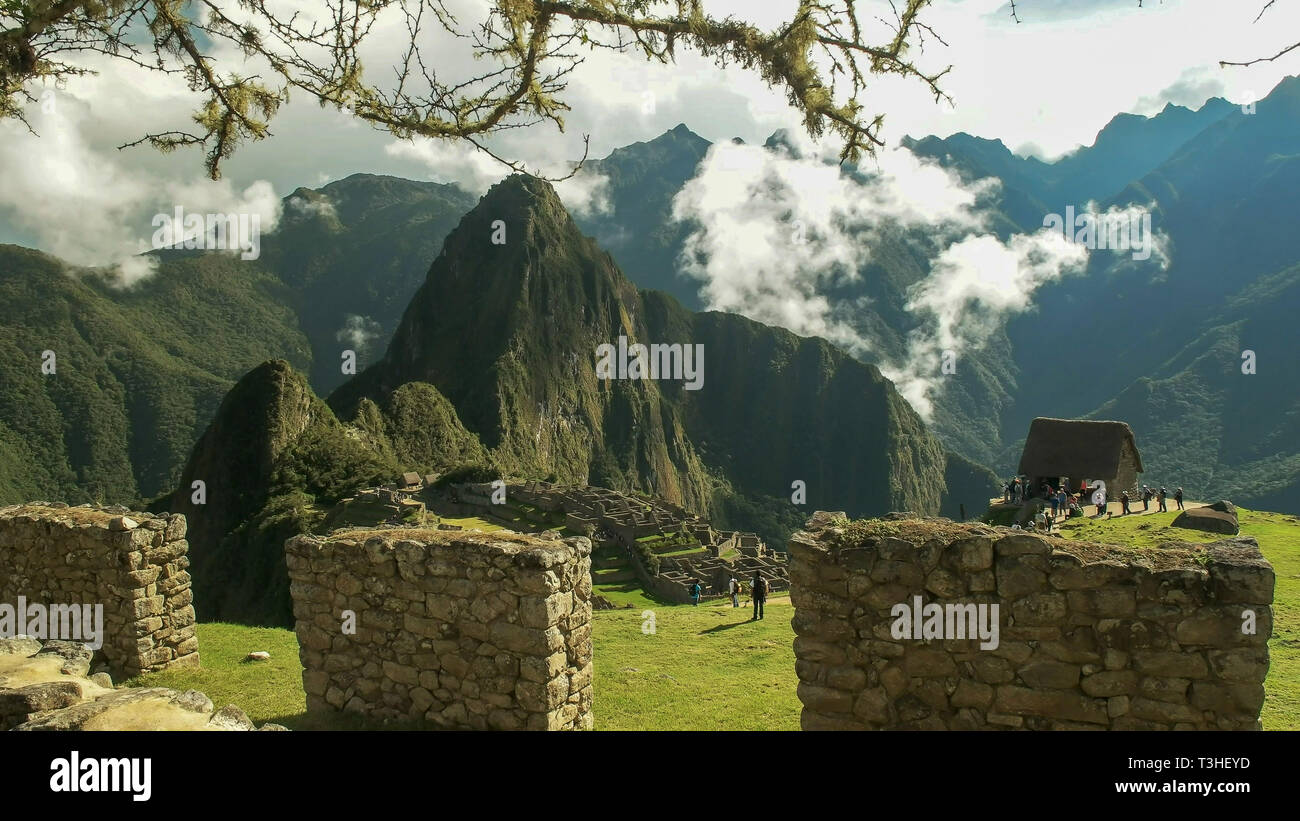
x=133 y=564
x=1087 y=636
x=462 y=629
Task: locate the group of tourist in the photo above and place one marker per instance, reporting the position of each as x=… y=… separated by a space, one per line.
x=1065 y=504
x=1161 y=496
x=758 y=592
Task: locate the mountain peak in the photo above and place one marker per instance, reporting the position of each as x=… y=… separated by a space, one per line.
x=522 y=196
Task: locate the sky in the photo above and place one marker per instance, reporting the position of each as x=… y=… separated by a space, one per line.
x=1044 y=86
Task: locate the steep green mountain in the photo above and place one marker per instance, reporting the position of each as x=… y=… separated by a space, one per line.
x=494 y=364
x=637 y=227
x=509 y=333
x=1223 y=200
x=639 y=232
x=136 y=374
x=351 y=254
x=140 y=371
x=271 y=464
x=1212 y=424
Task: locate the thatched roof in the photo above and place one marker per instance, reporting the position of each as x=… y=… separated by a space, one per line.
x=1076 y=448
x=409 y=479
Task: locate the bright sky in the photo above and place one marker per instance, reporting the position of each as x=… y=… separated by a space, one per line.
x=1045 y=85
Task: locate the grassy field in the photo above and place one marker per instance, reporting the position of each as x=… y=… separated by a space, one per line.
x=709 y=667
x=703 y=668
x=1279 y=539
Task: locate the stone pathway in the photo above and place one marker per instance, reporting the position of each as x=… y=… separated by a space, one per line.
x=47 y=685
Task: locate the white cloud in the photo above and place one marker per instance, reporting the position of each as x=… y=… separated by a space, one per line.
x=445 y=161
x=359 y=333
x=774 y=232
x=87 y=203
x=974 y=286
x=585 y=193
x=776 y=236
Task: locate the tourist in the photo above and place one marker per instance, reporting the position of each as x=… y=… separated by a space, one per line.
x=1146 y=498
x=695 y=592
x=1056 y=506
x=1041 y=522
x=1178 y=498
x=735 y=592
x=1006 y=491
x=1160 y=498
x=1063 y=499
x=1123 y=502
x=760 y=595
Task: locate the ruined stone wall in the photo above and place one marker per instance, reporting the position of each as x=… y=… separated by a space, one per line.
x=133 y=564
x=462 y=629
x=1088 y=636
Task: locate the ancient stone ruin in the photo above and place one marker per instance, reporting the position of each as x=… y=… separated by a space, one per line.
x=926 y=624
x=462 y=629
x=67 y=561
x=616 y=519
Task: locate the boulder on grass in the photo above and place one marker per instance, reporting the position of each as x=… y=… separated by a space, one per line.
x=1220 y=517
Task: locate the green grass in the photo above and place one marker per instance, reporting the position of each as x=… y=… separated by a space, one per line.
x=627 y=593
x=1279 y=539
x=268 y=690
x=686 y=551
x=470 y=523
x=704 y=668
x=708 y=667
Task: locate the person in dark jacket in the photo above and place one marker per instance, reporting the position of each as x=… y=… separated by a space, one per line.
x=695 y=592
x=760 y=595
x=1123 y=501
x=1178 y=498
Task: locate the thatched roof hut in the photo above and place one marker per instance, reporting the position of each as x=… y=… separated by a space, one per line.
x=1081 y=449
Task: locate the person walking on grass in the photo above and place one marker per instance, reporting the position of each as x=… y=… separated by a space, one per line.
x=1056 y=505
x=695 y=592
x=1146 y=498
x=1178 y=498
x=1123 y=502
x=760 y=595
x=1161 y=497
x=735 y=592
